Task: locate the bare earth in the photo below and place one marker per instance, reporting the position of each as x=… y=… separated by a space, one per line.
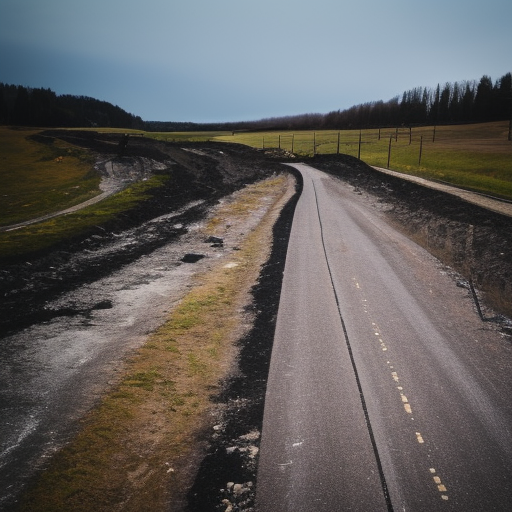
x=95 y=286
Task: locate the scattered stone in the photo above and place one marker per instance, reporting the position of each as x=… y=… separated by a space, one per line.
x=229 y=506
x=238 y=489
x=104 y=304
x=253 y=451
x=251 y=436
x=192 y=257
x=215 y=240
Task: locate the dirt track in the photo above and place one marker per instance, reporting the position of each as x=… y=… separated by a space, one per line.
x=200 y=177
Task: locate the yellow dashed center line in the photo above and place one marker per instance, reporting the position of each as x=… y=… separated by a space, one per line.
x=440 y=486
x=405 y=401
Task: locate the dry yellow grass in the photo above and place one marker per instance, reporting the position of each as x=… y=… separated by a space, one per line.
x=138 y=449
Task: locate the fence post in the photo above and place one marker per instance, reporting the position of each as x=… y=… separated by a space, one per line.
x=279 y=141
x=314 y=143
x=359 y=147
x=421 y=149
x=338 y=148
x=410 y=135
x=293 y=136
x=396 y=134
x=434 y=135
x=389 y=149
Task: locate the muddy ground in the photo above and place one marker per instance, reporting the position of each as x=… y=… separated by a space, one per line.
x=476 y=243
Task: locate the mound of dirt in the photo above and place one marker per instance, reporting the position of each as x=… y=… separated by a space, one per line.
x=200 y=174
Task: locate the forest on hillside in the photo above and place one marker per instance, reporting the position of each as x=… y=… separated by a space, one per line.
x=24 y=106
x=469 y=101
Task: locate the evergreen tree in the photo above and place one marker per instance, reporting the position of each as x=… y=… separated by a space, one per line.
x=483 y=107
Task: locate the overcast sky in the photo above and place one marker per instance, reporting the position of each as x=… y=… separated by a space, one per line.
x=230 y=60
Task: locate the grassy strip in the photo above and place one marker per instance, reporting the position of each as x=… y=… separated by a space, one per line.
x=37 y=178
x=134 y=451
x=185 y=136
x=478 y=156
x=36 y=237
x=165 y=136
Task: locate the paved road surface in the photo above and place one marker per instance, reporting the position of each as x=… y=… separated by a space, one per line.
x=386 y=390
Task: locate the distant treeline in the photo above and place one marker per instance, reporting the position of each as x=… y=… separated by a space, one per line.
x=459 y=102
x=25 y=106
x=452 y=103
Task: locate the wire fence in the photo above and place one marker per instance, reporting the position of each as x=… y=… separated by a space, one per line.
x=379 y=146
x=476 y=156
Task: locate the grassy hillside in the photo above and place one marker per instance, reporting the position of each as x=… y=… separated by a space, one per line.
x=38 y=178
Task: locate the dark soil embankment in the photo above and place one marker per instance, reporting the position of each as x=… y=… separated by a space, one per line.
x=230 y=458
x=200 y=174
x=474 y=241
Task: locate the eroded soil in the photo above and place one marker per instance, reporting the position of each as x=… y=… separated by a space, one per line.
x=475 y=242
x=200 y=176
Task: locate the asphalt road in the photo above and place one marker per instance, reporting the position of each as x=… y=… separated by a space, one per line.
x=386 y=390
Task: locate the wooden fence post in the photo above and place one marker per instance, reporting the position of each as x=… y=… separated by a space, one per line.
x=389 y=149
x=421 y=149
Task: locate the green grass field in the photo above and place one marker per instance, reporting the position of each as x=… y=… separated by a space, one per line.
x=477 y=156
x=37 y=178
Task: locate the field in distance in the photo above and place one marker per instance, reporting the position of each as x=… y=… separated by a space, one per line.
x=475 y=156
x=37 y=178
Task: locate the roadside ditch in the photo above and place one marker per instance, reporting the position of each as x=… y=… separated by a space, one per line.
x=473 y=241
